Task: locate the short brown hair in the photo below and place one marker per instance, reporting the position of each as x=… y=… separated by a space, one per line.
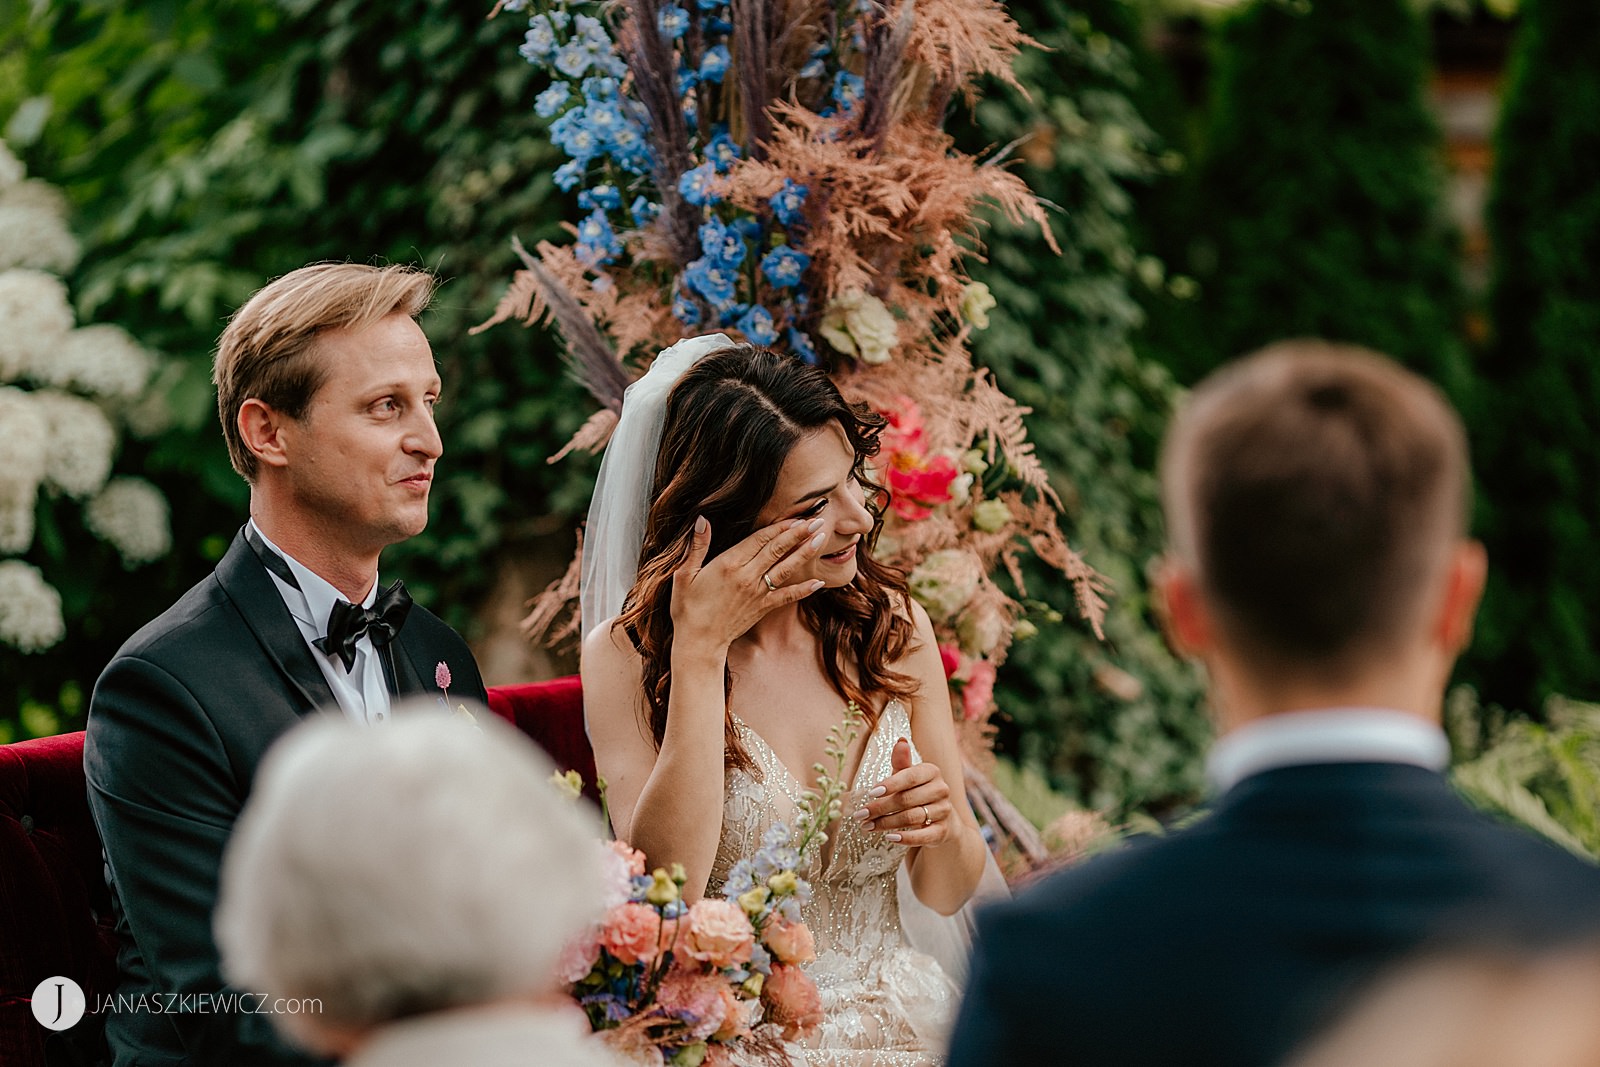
x=267 y=351
x=1316 y=489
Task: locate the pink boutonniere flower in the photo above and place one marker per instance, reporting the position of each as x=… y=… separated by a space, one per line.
x=441 y=678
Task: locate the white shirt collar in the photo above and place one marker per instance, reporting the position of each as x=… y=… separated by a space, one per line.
x=317 y=594
x=1326 y=735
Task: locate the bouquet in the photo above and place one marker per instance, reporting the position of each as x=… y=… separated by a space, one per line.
x=666 y=982
x=780 y=171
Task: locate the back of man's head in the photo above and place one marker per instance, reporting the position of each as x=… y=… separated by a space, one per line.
x=1315 y=490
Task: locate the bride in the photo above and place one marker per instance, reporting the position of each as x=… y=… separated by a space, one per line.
x=732 y=609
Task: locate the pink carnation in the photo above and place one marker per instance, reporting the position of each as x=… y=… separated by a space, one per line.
x=578 y=958
x=632 y=933
x=792 y=1001
x=735 y=1020
x=441 y=675
x=694 y=995
x=790 y=942
x=718 y=932
x=978 y=693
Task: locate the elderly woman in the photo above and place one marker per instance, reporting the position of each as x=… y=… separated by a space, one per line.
x=415 y=884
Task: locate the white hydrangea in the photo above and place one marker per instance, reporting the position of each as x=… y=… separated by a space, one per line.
x=34 y=234
x=16 y=525
x=34 y=320
x=131 y=515
x=81 y=443
x=30 y=610
x=24 y=440
x=11 y=168
x=149 y=416
x=100 y=360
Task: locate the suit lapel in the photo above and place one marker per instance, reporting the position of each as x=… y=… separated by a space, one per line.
x=259 y=603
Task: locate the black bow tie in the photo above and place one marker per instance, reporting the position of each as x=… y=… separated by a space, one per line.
x=347 y=623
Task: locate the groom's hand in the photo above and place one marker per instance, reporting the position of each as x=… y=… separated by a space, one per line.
x=912 y=806
x=718 y=602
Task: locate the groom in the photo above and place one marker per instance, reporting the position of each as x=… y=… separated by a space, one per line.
x=1316 y=500
x=325 y=387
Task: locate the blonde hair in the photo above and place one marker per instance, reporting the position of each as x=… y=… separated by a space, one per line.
x=268 y=351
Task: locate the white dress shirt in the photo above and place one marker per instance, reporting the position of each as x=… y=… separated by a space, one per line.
x=1326 y=735
x=362 y=692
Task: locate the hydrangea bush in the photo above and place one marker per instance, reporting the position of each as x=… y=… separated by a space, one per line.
x=783 y=174
x=66 y=392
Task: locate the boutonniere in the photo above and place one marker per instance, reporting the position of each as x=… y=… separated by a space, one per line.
x=441 y=678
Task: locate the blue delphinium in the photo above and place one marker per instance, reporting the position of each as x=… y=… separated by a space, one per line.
x=603 y=197
x=847 y=89
x=802 y=347
x=573 y=135
x=568 y=175
x=721 y=151
x=758 y=326
x=672 y=21
x=788 y=201
x=722 y=244
x=685 y=309
x=714 y=64
x=696 y=185
x=644 y=211
x=552 y=99
x=712 y=281
x=541 y=41
x=784 y=266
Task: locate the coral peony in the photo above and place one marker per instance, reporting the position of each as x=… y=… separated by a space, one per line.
x=790 y=942
x=950 y=657
x=918 y=485
x=718 y=932
x=792 y=1001
x=632 y=933
x=904 y=432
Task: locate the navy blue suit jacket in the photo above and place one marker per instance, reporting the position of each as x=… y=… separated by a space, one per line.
x=1229 y=943
x=178 y=724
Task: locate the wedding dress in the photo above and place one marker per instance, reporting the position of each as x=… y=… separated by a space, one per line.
x=884 y=1004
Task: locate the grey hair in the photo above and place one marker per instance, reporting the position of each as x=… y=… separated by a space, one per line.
x=394 y=870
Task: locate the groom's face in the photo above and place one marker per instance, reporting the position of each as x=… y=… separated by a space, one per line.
x=361 y=458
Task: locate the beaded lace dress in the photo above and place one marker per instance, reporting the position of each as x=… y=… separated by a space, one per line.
x=884 y=1004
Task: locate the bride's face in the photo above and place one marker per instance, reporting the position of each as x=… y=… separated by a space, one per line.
x=817 y=480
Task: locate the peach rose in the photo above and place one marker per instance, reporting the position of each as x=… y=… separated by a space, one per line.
x=790 y=942
x=792 y=1001
x=631 y=933
x=717 y=932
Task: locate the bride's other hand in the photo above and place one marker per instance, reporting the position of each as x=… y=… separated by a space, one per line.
x=714 y=604
x=911 y=806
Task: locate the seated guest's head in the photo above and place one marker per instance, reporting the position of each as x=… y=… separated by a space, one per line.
x=1316 y=497
x=401 y=871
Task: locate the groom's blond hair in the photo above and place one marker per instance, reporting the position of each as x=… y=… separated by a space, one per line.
x=269 y=350
x=1316 y=490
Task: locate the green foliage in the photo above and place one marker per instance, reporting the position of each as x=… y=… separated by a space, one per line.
x=1316 y=208
x=1539 y=631
x=1544 y=776
x=209 y=148
x=1116 y=725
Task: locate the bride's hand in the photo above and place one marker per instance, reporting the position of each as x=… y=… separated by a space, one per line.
x=911 y=806
x=714 y=604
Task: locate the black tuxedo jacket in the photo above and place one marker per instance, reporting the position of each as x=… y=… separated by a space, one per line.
x=1229 y=943
x=178 y=723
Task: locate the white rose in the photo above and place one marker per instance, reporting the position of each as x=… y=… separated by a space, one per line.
x=858 y=324
x=945 y=582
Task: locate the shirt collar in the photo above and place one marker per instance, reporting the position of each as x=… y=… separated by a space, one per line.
x=1326 y=735
x=317 y=594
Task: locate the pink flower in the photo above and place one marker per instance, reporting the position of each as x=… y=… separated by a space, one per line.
x=978 y=693
x=735 y=1020
x=792 y=1001
x=631 y=933
x=920 y=484
x=632 y=856
x=718 y=932
x=790 y=942
x=950 y=657
x=578 y=958
x=617 y=864
x=441 y=675
x=904 y=432
x=695 y=996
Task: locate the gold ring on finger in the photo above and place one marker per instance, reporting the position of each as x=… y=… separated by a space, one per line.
x=927 y=816
x=768 y=579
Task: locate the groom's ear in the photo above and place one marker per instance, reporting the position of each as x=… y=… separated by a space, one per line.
x=261 y=431
x=1182 y=610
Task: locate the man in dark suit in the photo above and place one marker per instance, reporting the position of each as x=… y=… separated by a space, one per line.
x=325 y=387
x=1316 y=499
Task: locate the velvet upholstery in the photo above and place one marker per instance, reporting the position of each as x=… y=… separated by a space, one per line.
x=54 y=906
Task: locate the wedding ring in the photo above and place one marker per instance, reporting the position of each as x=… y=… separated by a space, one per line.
x=927 y=816
x=768 y=579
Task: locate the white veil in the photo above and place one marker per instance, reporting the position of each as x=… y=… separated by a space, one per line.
x=621 y=500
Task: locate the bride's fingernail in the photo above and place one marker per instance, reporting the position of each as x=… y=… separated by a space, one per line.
x=814 y=524
x=892 y=837
x=862 y=814
x=699 y=524
x=877 y=791
x=816 y=542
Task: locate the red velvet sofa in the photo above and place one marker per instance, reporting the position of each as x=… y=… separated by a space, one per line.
x=54 y=909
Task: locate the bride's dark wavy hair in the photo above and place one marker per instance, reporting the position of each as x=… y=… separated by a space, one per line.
x=731 y=421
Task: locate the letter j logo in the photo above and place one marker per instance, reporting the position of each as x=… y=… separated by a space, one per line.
x=58 y=1003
